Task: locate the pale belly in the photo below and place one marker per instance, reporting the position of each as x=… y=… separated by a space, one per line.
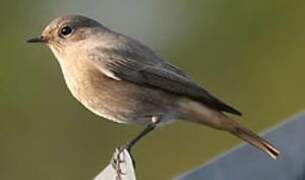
x=119 y=100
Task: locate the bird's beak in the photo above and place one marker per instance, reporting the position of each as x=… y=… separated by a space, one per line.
x=39 y=39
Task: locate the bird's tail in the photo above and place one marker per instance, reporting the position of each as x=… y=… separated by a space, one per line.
x=253 y=139
x=196 y=112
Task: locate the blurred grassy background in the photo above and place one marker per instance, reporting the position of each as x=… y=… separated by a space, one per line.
x=248 y=53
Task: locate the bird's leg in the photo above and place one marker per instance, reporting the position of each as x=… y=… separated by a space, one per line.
x=149 y=128
x=116 y=160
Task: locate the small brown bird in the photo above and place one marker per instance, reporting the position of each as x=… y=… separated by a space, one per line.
x=120 y=79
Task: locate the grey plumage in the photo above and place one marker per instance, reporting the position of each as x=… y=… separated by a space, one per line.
x=151 y=71
x=119 y=78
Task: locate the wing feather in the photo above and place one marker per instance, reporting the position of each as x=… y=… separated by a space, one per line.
x=139 y=69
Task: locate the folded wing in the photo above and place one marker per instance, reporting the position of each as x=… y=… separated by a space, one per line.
x=153 y=72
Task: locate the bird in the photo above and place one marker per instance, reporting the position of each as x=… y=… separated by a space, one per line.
x=121 y=79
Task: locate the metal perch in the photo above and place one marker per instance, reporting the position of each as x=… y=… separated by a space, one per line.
x=244 y=162
x=127 y=170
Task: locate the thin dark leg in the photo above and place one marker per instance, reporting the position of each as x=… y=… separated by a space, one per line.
x=116 y=159
x=149 y=128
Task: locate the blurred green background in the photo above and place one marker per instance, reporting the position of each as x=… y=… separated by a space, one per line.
x=248 y=53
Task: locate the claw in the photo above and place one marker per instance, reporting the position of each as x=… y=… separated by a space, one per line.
x=117 y=160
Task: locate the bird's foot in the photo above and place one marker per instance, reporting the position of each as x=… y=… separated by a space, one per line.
x=118 y=160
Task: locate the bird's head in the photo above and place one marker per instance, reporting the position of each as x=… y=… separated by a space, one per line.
x=66 y=31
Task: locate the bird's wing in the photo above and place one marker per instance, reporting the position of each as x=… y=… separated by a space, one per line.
x=139 y=69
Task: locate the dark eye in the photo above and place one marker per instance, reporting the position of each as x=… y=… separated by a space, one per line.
x=65 y=31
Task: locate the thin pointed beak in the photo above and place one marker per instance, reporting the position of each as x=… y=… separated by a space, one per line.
x=39 y=39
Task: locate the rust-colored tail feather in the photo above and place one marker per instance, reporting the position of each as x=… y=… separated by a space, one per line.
x=195 y=112
x=253 y=139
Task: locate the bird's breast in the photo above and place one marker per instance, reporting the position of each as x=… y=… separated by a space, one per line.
x=95 y=91
x=117 y=100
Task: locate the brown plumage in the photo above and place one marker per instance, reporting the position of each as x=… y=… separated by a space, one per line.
x=118 y=78
x=202 y=115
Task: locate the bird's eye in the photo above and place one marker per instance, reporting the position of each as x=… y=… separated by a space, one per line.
x=65 y=31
